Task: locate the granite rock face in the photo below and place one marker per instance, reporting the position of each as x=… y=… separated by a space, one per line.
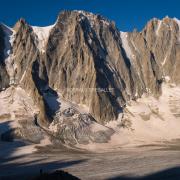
x=83 y=58
x=78 y=63
x=4 y=78
x=26 y=68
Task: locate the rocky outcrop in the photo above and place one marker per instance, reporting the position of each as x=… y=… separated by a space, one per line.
x=72 y=127
x=25 y=59
x=165 y=45
x=159 y=40
x=86 y=63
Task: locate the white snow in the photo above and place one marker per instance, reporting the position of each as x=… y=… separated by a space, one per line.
x=105 y=22
x=95 y=127
x=154 y=118
x=167 y=79
x=150 y=121
x=164 y=61
x=135 y=47
x=15 y=101
x=15 y=105
x=125 y=44
x=90 y=41
x=43 y=35
x=65 y=103
x=158 y=27
x=92 y=18
x=53 y=127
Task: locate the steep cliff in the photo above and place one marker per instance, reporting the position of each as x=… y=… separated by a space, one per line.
x=4 y=78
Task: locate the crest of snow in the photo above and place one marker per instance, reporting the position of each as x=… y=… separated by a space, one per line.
x=158 y=27
x=125 y=44
x=42 y=35
x=92 y=18
x=89 y=14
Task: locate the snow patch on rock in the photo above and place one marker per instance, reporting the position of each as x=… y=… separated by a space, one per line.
x=15 y=105
x=125 y=44
x=15 y=101
x=158 y=27
x=92 y=18
x=164 y=61
x=42 y=36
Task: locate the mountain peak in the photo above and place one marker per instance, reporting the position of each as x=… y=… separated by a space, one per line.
x=82 y=15
x=93 y=18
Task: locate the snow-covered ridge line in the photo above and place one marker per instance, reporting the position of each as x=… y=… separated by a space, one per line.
x=92 y=17
x=42 y=35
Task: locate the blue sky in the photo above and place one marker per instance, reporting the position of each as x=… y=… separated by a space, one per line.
x=128 y=14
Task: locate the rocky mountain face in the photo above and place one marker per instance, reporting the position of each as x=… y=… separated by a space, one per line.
x=4 y=78
x=82 y=71
x=160 y=38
